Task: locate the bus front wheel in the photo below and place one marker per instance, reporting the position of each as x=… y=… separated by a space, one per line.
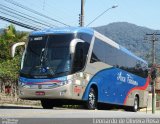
x=92 y=99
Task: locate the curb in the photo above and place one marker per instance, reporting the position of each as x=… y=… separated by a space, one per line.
x=19 y=105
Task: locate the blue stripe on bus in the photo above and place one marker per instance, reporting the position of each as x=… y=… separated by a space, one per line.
x=113 y=85
x=34 y=81
x=64 y=30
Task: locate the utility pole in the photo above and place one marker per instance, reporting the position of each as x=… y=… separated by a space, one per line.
x=153 y=40
x=81 y=18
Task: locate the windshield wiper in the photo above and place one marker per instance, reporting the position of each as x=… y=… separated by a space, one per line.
x=43 y=55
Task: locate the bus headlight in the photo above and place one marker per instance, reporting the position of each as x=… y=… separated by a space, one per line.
x=23 y=85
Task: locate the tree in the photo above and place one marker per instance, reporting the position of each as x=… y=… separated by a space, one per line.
x=9 y=67
x=10 y=36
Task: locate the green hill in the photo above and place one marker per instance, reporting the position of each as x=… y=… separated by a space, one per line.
x=132 y=37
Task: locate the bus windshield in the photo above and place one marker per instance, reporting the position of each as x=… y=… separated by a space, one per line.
x=47 y=56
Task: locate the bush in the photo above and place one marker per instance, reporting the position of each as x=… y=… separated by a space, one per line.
x=9 y=68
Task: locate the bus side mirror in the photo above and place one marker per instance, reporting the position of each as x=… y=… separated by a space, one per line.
x=13 y=48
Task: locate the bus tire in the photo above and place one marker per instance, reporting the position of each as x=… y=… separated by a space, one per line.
x=47 y=104
x=135 y=105
x=92 y=99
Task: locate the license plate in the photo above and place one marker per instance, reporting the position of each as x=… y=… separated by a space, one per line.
x=40 y=93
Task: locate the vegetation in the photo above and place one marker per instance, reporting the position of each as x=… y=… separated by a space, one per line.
x=9 y=66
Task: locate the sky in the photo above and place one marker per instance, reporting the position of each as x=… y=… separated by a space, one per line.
x=140 y=12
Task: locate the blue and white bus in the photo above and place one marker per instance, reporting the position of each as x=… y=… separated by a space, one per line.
x=79 y=65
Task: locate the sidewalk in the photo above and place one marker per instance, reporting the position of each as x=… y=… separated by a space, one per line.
x=150 y=111
x=7 y=99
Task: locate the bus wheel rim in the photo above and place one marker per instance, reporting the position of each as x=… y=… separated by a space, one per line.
x=136 y=104
x=92 y=99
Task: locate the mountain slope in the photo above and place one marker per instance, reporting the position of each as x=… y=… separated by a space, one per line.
x=132 y=37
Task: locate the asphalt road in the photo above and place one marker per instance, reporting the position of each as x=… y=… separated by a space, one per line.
x=38 y=112
x=29 y=115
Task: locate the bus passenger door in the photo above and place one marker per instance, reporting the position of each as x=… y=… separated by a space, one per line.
x=77 y=70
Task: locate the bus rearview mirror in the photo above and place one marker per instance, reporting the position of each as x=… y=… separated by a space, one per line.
x=14 y=46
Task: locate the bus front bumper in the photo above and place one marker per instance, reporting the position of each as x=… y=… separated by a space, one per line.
x=62 y=92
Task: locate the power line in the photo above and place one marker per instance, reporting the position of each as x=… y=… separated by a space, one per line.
x=47 y=10
x=15 y=17
x=66 y=10
x=21 y=16
x=64 y=13
x=19 y=19
x=19 y=23
x=13 y=10
x=33 y=11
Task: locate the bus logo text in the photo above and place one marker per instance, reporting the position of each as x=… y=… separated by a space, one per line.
x=126 y=79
